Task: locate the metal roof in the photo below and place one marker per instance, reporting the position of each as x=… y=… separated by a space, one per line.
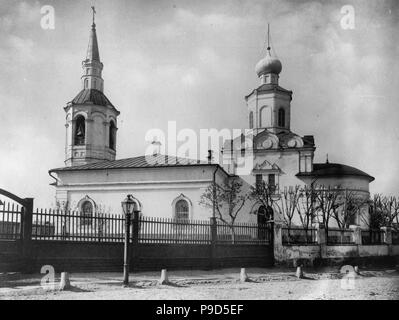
x=92 y=96
x=264 y=88
x=137 y=162
x=92 y=50
x=335 y=170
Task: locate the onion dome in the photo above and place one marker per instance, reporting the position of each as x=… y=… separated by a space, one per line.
x=268 y=65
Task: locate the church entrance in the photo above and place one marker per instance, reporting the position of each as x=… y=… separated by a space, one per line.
x=264 y=217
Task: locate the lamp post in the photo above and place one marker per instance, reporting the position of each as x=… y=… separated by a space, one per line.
x=129 y=205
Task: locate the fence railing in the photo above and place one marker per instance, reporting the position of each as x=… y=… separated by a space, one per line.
x=10 y=221
x=162 y=230
x=76 y=226
x=59 y=225
x=339 y=236
x=298 y=235
x=395 y=237
x=372 y=237
x=244 y=233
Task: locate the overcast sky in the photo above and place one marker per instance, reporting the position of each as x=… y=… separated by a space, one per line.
x=193 y=62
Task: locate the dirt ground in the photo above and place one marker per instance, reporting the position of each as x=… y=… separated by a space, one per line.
x=224 y=284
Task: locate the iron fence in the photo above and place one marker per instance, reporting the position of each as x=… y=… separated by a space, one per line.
x=395 y=237
x=370 y=237
x=169 y=231
x=298 y=235
x=10 y=221
x=76 y=226
x=243 y=233
x=61 y=225
x=339 y=236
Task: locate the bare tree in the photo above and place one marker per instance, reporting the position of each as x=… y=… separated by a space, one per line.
x=288 y=204
x=349 y=204
x=374 y=218
x=327 y=202
x=383 y=212
x=389 y=205
x=263 y=194
x=306 y=206
x=227 y=199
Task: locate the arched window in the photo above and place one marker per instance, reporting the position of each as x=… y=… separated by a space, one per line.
x=112 y=135
x=281 y=117
x=87 y=213
x=251 y=120
x=86 y=83
x=80 y=131
x=181 y=210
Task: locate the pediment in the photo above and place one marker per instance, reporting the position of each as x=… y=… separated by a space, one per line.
x=267 y=166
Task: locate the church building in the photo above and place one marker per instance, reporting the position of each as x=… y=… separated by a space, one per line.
x=93 y=180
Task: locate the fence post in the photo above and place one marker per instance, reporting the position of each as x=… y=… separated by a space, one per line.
x=214 y=235
x=356 y=234
x=135 y=239
x=278 y=248
x=387 y=235
x=387 y=238
x=26 y=224
x=321 y=239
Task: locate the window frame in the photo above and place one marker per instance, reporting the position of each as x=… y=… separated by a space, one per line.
x=281 y=117
x=80 y=119
x=112 y=135
x=86 y=219
x=186 y=210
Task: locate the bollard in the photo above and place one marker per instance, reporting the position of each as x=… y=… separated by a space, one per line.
x=164 y=277
x=299 y=272
x=356 y=268
x=64 y=283
x=243 y=275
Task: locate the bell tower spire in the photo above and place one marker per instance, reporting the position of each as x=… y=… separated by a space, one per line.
x=91 y=118
x=269 y=105
x=92 y=66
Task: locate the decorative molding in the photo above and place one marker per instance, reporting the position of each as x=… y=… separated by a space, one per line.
x=83 y=200
x=267 y=166
x=190 y=205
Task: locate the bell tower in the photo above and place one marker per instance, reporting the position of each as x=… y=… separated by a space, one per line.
x=91 y=119
x=269 y=106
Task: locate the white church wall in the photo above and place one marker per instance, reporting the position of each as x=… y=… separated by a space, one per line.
x=155 y=188
x=156 y=202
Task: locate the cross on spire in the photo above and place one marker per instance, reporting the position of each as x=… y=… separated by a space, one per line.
x=94 y=15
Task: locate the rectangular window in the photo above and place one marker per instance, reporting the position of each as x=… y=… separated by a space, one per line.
x=272 y=179
x=259 y=180
x=272 y=182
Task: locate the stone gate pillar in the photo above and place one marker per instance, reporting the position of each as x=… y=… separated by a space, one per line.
x=278 y=248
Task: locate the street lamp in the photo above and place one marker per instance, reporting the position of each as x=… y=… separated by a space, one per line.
x=129 y=205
